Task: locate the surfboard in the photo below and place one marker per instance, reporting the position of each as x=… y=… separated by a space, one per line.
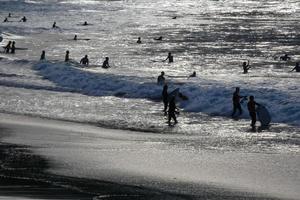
x=172 y=94
x=263 y=115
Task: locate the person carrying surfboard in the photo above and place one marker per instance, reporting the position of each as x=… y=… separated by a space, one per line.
x=236 y=100
x=252 y=110
x=172 y=111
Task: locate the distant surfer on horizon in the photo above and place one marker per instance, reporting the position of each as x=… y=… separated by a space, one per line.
x=67 y=58
x=285 y=57
x=252 y=111
x=236 y=100
x=246 y=67
x=105 y=64
x=13 y=47
x=192 y=75
x=139 y=40
x=165 y=96
x=297 y=67
x=75 y=37
x=84 y=60
x=9 y=15
x=161 y=79
x=7 y=47
x=23 y=19
x=85 y=23
x=169 y=58
x=5 y=20
x=43 y=55
x=54 y=25
x=172 y=111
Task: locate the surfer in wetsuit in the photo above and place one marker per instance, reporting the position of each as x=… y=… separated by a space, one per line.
x=75 y=37
x=165 y=98
x=5 y=20
x=172 y=111
x=139 y=40
x=296 y=68
x=246 y=67
x=170 y=58
x=236 y=100
x=192 y=75
x=43 y=55
x=85 y=60
x=7 y=47
x=285 y=57
x=252 y=110
x=23 y=19
x=161 y=79
x=54 y=25
x=85 y=23
x=13 y=47
x=105 y=64
x=67 y=58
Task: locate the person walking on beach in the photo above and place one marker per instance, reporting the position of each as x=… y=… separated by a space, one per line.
x=161 y=79
x=43 y=55
x=246 y=67
x=172 y=111
x=13 y=47
x=84 y=60
x=105 y=64
x=7 y=47
x=170 y=58
x=236 y=100
x=165 y=98
x=67 y=58
x=297 y=67
x=252 y=111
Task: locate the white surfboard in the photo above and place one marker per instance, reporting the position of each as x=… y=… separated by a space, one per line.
x=263 y=115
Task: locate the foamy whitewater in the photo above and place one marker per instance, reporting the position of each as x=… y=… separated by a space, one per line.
x=210 y=37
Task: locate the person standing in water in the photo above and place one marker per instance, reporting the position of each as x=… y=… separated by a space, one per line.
x=7 y=47
x=170 y=58
x=246 y=67
x=67 y=58
x=75 y=37
x=165 y=98
x=139 y=40
x=252 y=110
x=23 y=19
x=161 y=79
x=85 y=60
x=172 y=111
x=43 y=55
x=236 y=100
x=105 y=64
x=296 y=68
x=13 y=47
x=54 y=25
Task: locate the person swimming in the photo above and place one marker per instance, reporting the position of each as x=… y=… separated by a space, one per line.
x=105 y=64
x=85 y=23
x=85 y=60
x=193 y=75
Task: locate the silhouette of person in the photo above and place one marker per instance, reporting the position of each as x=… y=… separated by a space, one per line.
x=75 y=37
x=23 y=19
x=285 y=57
x=174 y=17
x=170 y=58
x=297 y=67
x=13 y=47
x=193 y=75
x=172 y=111
x=139 y=40
x=105 y=63
x=85 y=23
x=159 y=38
x=85 y=60
x=246 y=67
x=43 y=55
x=9 y=14
x=5 y=20
x=7 y=47
x=252 y=110
x=54 y=25
x=236 y=100
x=67 y=58
x=165 y=98
x=161 y=79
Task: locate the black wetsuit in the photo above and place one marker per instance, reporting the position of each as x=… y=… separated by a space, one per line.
x=172 y=111
x=236 y=103
x=252 y=111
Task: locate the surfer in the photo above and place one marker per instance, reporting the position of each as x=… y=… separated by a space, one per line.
x=54 y=25
x=13 y=47
x=67 y=58
x=236 y=100
x=139 y=40
x=75 y=37
x=172 y=111
x=165 y=98
x=297 y=67
x=170 y=58
x=7 y=47
x=85 y=23
x=85 y=60
x=192 y=75
x=246 y=67
x=43 y=55
x=23 y=19
x=159 y=38
x=5 y=20
x=105 y=64
x=9 y=14
x=285 y=57
x=252 y=110
x=161 y=79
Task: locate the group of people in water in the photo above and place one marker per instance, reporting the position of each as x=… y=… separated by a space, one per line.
x=23 y=19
